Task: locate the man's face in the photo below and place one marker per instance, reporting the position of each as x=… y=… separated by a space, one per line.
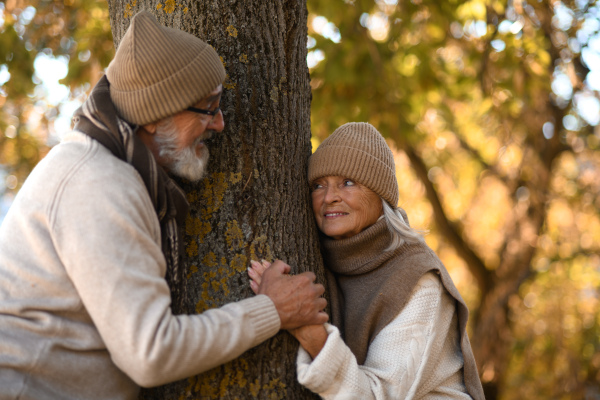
x=180 y=139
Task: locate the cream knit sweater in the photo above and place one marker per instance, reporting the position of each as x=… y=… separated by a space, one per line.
x=84 y=307
x=416 y=356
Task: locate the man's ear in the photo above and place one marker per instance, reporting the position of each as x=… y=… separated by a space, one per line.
x=150 y=128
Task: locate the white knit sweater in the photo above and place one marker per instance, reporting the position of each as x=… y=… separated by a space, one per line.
x=416 y=356
x=84 y=306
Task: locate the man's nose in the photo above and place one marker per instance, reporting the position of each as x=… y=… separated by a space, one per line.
x=217 y=123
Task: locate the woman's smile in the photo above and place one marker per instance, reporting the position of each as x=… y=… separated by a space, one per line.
x=335 y=214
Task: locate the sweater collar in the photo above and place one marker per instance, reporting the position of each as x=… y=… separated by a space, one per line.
x=360 y=253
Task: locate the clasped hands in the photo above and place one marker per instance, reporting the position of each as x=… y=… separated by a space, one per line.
x=297 y=299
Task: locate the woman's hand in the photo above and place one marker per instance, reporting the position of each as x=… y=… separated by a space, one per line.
x=256 y=272
x=311 y=337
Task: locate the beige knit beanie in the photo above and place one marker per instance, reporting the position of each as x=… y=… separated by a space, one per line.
x=158 y=71
x=357 y=151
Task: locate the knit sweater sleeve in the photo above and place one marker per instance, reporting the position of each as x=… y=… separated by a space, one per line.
x=416 y=356
x=108 y=237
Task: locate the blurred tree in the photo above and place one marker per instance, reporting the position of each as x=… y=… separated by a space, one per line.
x=76 y=32
x=489 y=102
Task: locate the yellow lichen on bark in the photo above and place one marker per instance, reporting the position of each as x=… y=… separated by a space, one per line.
x=254 y=388
x=192 y=225
x=201 y=306
x=169 y=6
x=192 y=270
x=260 y=249
x=234 y=236
x=228 y=84
x=192 y=196
x=239 y=263
x=216 y=280
x=210 y=260
x=197 y=228
x=212 y=195
x=224 y=285
x=128 y=13
x=276 y=388
x=207 y=391
x=192 y=249
x=209 y=275
x=232 y=31
x=204 y=303
x=207 y=386
x=235 y=177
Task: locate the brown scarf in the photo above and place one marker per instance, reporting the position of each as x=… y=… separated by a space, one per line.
x=97 y=118
x=369 y=287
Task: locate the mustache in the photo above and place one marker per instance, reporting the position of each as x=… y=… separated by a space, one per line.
x=206 y=136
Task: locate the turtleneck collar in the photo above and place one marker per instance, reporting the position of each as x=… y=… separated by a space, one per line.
x=360 y=253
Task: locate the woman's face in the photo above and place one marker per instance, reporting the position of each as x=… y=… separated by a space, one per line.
x=343 y=207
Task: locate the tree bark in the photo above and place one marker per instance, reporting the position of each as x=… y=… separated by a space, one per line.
x=254 y=202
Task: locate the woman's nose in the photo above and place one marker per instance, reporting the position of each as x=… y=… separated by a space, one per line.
x=332 y=194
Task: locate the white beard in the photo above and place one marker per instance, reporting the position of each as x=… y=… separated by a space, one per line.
x=184 y=163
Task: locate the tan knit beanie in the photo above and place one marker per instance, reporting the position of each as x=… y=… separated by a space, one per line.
x=357 y=151
x=159 y=71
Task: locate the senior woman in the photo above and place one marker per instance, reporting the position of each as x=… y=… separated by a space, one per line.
x=399 y=321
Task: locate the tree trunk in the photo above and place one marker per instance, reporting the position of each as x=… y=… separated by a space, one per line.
x=254 y=202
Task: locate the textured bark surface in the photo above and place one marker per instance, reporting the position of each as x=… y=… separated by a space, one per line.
x=254 y=202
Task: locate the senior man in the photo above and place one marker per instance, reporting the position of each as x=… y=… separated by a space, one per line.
x=84 y=304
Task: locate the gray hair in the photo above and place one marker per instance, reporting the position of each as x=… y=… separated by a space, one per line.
x=181 y=162
x=399 y=228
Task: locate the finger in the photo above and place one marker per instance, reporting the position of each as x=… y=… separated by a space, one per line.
x=320 y=289
x=257 y=271
x=254 y=287
x=281 y=267
x=322 y=317
x=310 y=275
x=255 y=276
x=321 y=303
x=261 y=266
x=317 y=319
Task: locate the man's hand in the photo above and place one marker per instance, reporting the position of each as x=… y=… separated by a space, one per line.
x=297 y=298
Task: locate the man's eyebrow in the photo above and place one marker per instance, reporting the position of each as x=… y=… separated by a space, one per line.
x=213 y=97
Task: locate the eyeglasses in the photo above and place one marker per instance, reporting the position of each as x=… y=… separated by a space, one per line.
x=212 y=113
